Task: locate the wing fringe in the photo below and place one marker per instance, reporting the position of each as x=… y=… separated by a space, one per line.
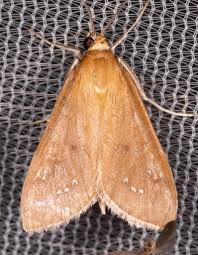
x=133 y=221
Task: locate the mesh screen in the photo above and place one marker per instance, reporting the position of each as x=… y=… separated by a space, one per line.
x=163 y=52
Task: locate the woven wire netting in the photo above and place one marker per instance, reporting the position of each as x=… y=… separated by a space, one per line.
x=162 y=50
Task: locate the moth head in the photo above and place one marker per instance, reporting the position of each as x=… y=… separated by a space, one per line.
x=99 y=42
x=96 y=42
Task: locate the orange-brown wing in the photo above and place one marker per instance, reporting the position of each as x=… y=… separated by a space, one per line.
x=137 y=180
x=61 y=180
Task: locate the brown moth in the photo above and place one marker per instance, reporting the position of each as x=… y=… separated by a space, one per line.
x=99 y=146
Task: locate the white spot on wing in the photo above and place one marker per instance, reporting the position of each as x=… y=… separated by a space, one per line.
x=74 y=182
x=62 y=191
x=126 y=180
x=149 y=172
x=133 y=189
x=59 y=192
x=141 y=191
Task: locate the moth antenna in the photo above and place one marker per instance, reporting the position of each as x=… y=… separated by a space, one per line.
x=113 y=17
x=90 y=18
x=129 y=30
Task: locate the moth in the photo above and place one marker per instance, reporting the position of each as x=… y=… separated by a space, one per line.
x=99 y=146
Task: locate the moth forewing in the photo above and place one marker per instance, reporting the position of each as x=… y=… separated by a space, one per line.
x=57 y=187
x=99 y=145
x=133 y=160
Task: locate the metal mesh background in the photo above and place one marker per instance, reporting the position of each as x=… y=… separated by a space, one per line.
x=163 y=51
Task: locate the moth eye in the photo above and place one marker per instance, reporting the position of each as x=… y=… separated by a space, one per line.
x=88 y=42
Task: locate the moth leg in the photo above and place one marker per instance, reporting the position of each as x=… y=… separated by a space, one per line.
x=76 y=51
x=46 y=119
x=145 y=98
